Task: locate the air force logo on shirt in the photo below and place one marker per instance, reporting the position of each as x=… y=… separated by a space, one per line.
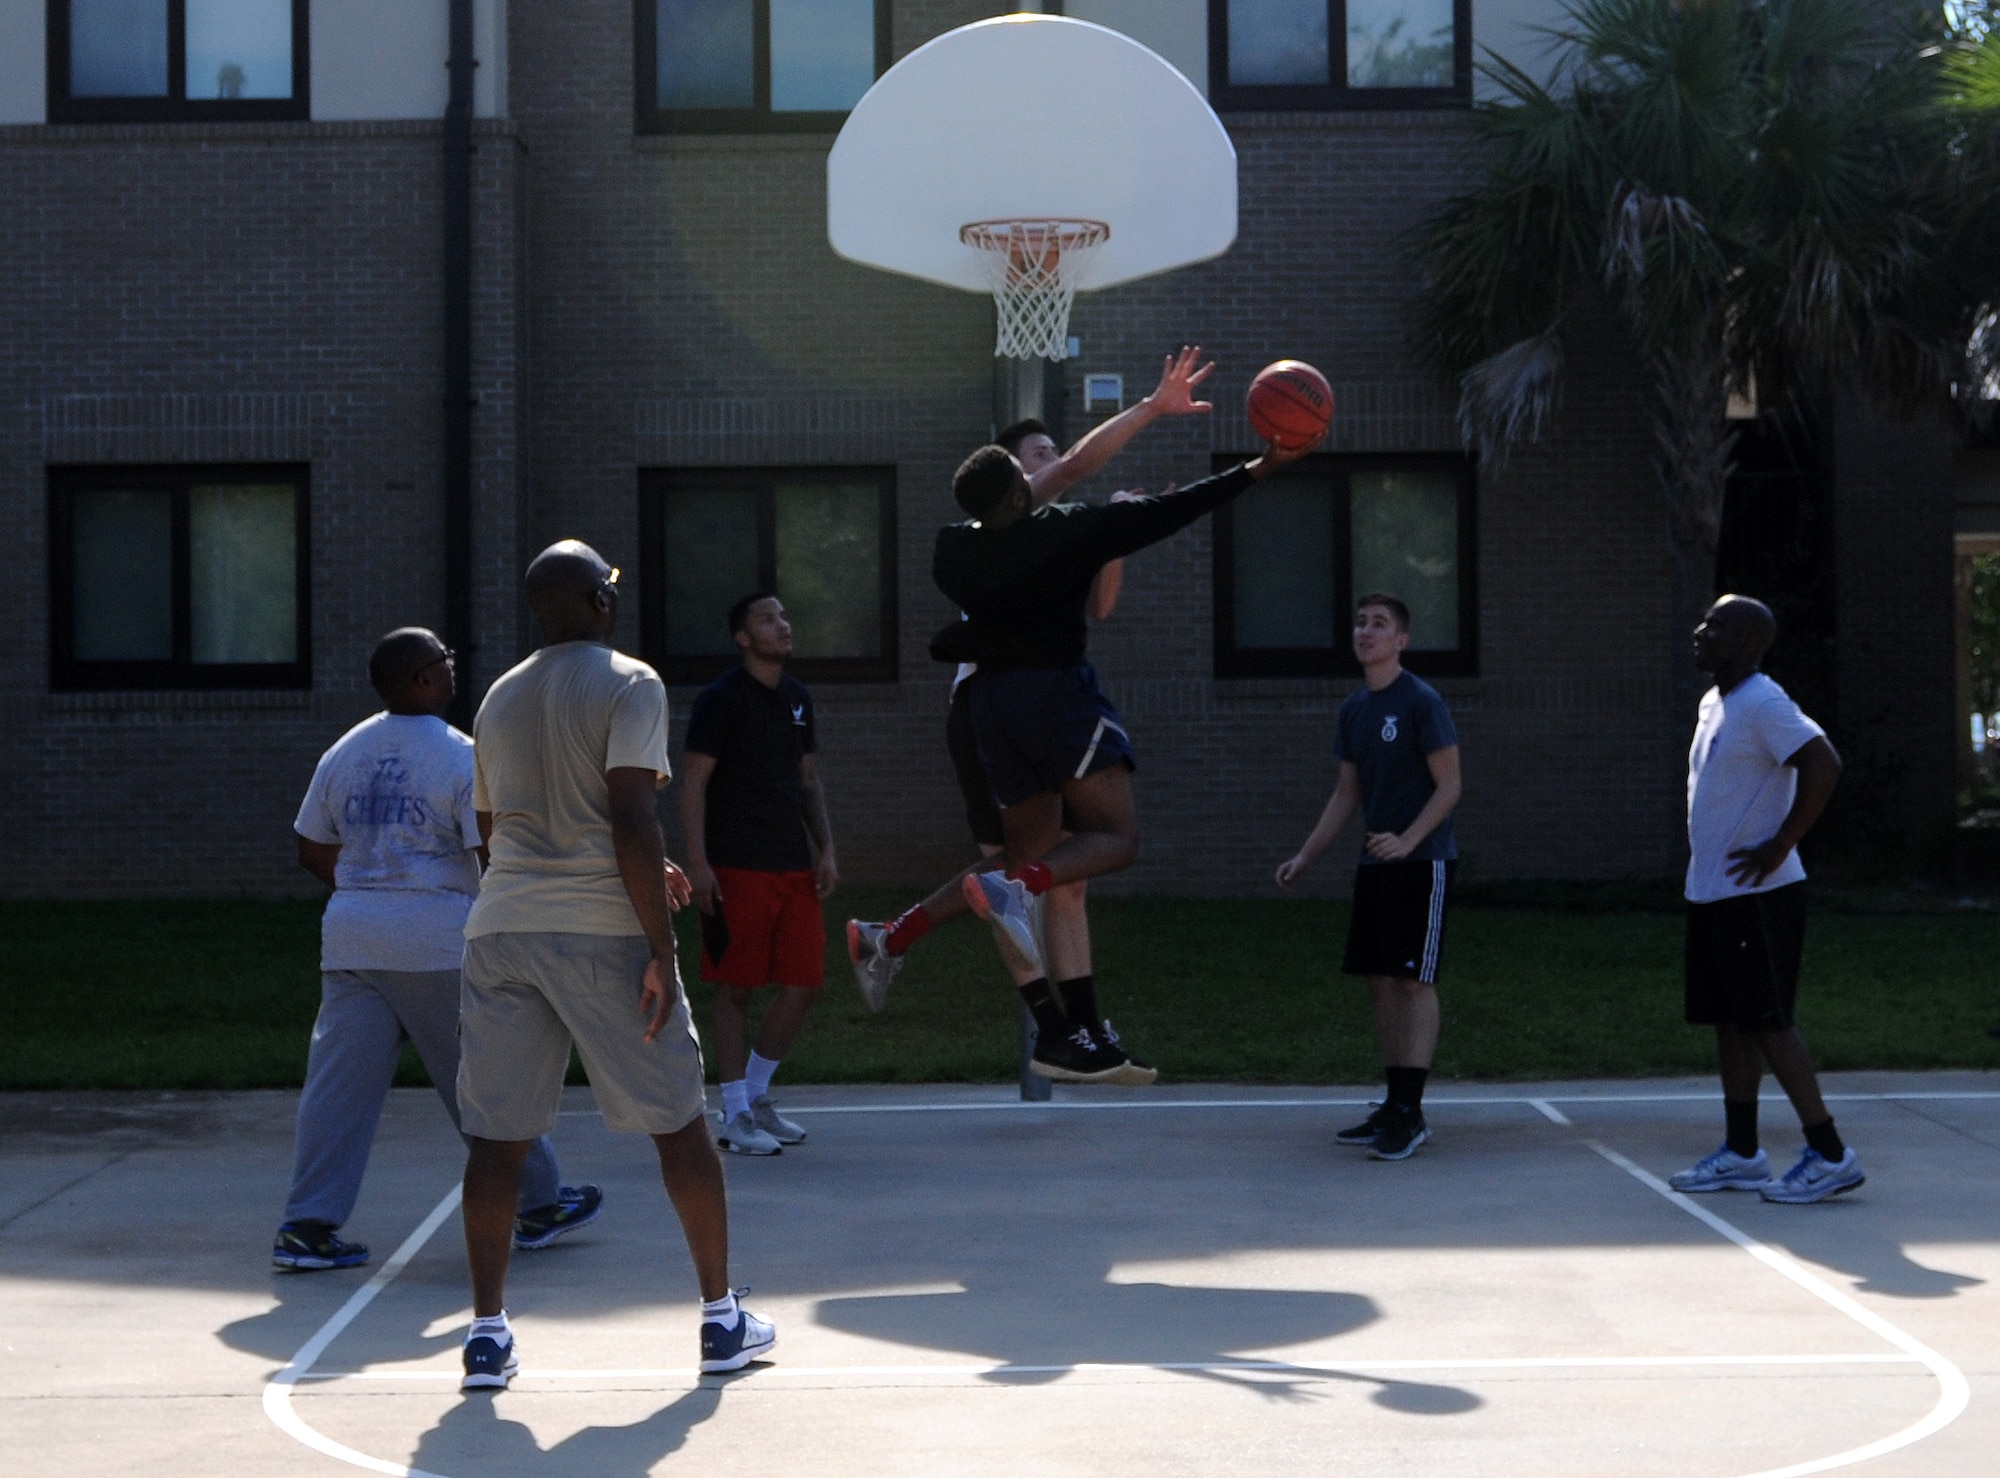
x=1389 y=729
x=799 y=714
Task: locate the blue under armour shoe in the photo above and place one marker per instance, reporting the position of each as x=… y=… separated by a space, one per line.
x=727 y=1346
x=489 y=1364
x=311 y=1246
x=574 y=1206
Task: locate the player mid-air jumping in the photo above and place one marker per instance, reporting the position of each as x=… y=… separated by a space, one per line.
x=1047 y=736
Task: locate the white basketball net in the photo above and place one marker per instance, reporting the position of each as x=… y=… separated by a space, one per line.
x=1034 y=268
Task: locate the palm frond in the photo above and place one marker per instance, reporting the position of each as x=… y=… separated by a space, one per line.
x=1507 y=398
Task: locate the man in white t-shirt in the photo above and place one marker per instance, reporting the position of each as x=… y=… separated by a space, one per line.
x=388 y=825
x=1759 y=774
x=572 y=942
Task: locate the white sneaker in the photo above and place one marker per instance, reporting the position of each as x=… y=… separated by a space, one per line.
x=1815 y=1178
x=1005 y=903
x=1725 y=1170
x=764 y=1114
x=741 y=1136
x=874 y=966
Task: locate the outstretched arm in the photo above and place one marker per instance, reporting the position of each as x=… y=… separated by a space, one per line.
x=1173 y=396
x=1126 y=528
x=1340 y=808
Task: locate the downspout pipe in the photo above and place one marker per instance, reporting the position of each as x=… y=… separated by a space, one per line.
x=458 y=400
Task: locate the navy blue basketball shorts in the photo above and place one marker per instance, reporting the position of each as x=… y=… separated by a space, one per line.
x=1038 y=727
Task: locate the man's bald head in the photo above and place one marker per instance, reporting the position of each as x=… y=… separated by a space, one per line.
x=400 y=656
x=1733 y=637
x=573 y=592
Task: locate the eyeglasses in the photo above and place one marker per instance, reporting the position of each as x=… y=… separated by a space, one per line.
x=448 y=657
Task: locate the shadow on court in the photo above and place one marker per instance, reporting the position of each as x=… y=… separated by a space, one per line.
x=473 y=1437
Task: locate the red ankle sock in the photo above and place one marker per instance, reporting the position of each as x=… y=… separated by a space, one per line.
x=1036 y=875
x=907 y=930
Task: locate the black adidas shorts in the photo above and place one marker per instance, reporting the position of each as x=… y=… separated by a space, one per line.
x=1397 y=927
x=1743 y=957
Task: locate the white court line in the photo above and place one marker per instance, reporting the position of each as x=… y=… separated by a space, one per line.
x=278 y=1390
x=1953 y=1392
x=1434 y=1101
x=1330 y=1368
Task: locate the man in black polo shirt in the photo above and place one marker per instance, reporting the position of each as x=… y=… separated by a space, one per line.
x=750 y=801
x=1047 y=735
x=1398 y=753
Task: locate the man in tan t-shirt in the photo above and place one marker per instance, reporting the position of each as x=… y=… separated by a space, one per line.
x=571 y=940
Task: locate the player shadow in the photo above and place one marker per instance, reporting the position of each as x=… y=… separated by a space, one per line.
x=1036 y=1327
x=473 y=1437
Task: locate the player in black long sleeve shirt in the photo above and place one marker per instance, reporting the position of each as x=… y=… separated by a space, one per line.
x=1047 y=735
x=1023 y=584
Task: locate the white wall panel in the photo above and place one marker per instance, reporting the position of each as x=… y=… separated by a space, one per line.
x=386 y=58
x=1176 y=29
x=24 y=61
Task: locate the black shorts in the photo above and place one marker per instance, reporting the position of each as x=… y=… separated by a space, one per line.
x=1743 y=957
x=1397 y=927
x=1029 y=717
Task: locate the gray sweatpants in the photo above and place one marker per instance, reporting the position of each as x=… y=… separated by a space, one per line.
x=364 y=1015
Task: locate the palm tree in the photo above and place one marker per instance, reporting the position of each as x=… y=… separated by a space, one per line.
x=1765 y=191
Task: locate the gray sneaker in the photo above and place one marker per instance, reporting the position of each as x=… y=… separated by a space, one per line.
x=741 y=1136
x=1725 y=1170
x=874 y=966
x=764 y=1114
x=1004 y=903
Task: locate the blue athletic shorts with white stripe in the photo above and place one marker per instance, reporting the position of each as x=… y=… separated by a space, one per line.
x=1040 y=726
x=1397 y=927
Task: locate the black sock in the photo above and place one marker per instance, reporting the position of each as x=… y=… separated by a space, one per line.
x=1825 y=1139
x=1079 y=998
x=1742 y=1133
x=1406 y=1087
x=1041 y=1003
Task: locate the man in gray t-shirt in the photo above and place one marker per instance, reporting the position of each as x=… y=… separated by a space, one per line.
x=388 y=824
x=1759 y=774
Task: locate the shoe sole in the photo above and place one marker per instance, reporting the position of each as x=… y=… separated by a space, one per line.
x=498 y=1382
x=740 y=1359
x=1816 y=1198
x=536 y=1244
x=1031 y=954
x=1718 y=1185
x=787 y=1139
x=736 y=1149
x=1358 y=1141
x=1070 y=1075
x=1417 y=1141
x=1131 y=1075
x=315 y=1264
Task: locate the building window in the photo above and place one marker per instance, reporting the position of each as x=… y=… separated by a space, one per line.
x=178 y=577
x=751 y=66
x=1294 y=553
x=822 y=539
x=150 y=61
x=1319 y=54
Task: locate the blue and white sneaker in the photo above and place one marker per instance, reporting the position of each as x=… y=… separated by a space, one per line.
x=1815 y=1178
x=1725 y=1170
x=1007 y=905
x=726 y=1346
x=489 y=1365
x=574 y=1206
x=312 y=1247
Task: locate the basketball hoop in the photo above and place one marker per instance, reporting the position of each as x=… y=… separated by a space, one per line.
x=1034 y=269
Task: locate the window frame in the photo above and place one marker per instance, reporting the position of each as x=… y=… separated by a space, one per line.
x=176 y=106
x=70 y=674
x=758 y=118
x=657 y=484
x=1228 y=97
x=1338 y=660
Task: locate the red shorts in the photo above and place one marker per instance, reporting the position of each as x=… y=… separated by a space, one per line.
x=769 y=930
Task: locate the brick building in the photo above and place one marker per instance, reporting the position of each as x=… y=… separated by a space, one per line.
x=227 y=461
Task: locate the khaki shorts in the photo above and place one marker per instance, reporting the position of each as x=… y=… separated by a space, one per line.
x=525 y=997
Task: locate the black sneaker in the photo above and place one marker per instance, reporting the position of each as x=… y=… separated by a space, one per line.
x=1368 y=1130
x=1135 y=1073
x=574 y=1206
x=1078 y=1058
x=1402 y=1131
x=311 y=1246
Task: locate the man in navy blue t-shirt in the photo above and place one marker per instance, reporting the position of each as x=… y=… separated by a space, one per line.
x=1398 y=753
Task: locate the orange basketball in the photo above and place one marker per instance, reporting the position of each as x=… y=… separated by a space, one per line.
x=1290 y=404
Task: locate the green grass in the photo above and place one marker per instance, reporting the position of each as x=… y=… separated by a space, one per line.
x=1541 y=983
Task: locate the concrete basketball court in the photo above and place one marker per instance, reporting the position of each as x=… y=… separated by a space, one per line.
x=1187 y=1280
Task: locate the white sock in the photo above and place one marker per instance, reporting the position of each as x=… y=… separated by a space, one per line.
x=720 y=1311
x=495 y=1325
x=759 y=1079
x=735 y=1100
